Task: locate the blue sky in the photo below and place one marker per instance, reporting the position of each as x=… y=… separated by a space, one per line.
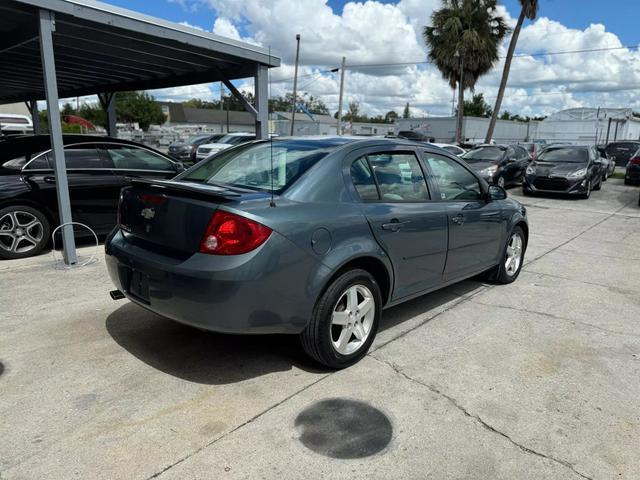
x=387 y=31
x=623 y=19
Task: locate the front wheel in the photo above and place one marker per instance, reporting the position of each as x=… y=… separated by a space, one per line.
x=512 y=259
x=24 y=231
x=345 y=320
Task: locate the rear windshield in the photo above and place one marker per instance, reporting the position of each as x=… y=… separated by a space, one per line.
x=235 y=139
x=484 y=154
x=564 y=155
x=258 y=166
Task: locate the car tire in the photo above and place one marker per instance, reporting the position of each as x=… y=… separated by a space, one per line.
x=506 y=272
x=587 y=194
x=331 y=337
x=599 y=185
x=24 y=232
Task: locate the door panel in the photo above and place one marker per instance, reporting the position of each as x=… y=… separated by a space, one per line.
x=93 y=189
x=408 y=226
x=475 y=226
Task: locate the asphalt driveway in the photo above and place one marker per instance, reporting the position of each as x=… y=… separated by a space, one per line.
x=538 y=379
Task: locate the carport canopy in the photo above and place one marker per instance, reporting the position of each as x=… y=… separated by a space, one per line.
x=51 y=49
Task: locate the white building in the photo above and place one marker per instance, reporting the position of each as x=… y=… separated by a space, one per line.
x=474 y=129
x=590 y=125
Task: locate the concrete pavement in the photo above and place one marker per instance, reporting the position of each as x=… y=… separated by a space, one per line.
x=538 y=379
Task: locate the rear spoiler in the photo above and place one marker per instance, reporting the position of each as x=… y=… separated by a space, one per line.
x=199 y=189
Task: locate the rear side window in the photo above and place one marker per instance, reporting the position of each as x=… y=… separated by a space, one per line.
x=84 y=156
x=129 y=157
x=389 y=177
x=363 y=180
x=454 y=181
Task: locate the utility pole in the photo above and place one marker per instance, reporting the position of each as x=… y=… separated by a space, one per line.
x=344 y=61
x=460 y=100
x=295 y=84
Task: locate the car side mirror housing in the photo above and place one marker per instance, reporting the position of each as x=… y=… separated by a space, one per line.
x=496 y=192
x=179 y=167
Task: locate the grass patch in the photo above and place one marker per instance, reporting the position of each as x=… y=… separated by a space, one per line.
x=619 y=175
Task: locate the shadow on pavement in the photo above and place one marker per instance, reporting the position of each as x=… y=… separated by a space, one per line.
x=200 y=356
x=215 y=359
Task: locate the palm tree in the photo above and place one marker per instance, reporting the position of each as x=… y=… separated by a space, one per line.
x=463 y=42
x=529 y=10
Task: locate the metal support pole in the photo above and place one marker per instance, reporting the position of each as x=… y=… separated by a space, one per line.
x=344 y=61
x=295 y=85
x=262 y=102
x=108 y=102
x=32 y=105
x=47 y=27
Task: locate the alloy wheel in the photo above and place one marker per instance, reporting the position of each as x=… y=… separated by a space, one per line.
x=514 y=254
x=352 y=319
x=501 y=182
x=20 y=231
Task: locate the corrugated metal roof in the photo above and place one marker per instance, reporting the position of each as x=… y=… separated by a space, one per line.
x=100 y=48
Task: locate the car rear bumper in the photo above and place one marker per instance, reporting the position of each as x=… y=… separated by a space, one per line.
x=266 y=291
x=632 y=174
x=559 y=185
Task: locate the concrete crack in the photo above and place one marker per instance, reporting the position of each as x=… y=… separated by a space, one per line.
x=398 y=370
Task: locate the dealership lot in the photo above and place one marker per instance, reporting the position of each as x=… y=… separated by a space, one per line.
x=537 y=379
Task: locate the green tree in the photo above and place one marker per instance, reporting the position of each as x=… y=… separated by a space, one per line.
x=138 y=107
x=407 y=111
x=505 y=115
x=463 y=42
x=477 y=107
x=311 y=104
x=529 y=10
x=390 y=117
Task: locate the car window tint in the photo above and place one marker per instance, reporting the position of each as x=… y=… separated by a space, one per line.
x=453 y=150
x=130 y=157
x=399 y=177
x=83 y=156
x=42 y=162
x=363 y=180
x=455 y=181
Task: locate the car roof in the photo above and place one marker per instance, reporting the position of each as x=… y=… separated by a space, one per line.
x=29 y=144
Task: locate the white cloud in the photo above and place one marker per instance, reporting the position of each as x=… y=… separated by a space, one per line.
x=372 y=32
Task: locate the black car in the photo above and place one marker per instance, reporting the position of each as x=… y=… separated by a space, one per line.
x=572 y=170
x=412 y=135
x=632 y=171
x=499 y=164
x=621 y=152
x=186 y=151
x=97 y=168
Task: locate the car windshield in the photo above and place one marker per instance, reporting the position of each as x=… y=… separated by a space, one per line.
x=564 y=155
x=484 y=154
x=197 y=138
x=254 y=164
x=233 y=139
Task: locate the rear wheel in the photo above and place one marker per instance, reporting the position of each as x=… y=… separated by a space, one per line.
x=344 y=321
x=24 y=231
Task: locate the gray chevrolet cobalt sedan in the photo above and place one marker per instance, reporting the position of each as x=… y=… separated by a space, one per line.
x=313 y=237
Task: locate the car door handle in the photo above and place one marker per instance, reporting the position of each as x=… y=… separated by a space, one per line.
x=394 y=225
x=49 y=179
x=458 y=219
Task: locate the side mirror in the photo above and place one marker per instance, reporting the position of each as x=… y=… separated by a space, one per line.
x=179 y=167
x=496 y=192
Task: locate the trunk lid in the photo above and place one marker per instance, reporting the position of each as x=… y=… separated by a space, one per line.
x=170 y=216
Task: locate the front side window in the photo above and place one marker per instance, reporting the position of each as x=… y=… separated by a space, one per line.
x=455 y=181
x=130 y=157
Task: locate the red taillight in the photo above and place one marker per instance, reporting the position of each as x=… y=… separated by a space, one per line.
x=151 y=199
x=231 y=234
x=635 y=161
